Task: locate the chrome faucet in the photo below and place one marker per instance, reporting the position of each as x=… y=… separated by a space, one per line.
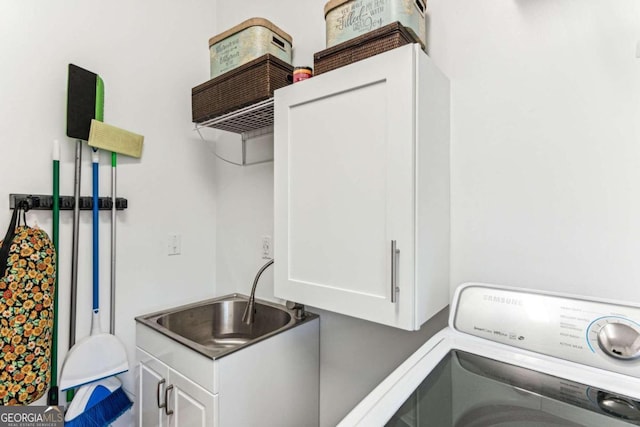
x=249 y=311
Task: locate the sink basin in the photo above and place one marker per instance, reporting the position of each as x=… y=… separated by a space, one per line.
x=214 y=327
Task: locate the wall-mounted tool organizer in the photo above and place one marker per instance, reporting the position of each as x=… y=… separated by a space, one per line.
x=45 y=202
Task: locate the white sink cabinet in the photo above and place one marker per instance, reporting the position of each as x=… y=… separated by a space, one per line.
x=274 y=382
x=361 y=182
x=170 y=399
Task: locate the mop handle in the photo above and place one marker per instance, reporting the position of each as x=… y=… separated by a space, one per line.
x=112 y=305
x=75 y=243
x=95 y=157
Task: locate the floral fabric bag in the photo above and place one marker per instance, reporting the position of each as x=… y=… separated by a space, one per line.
x=27 y=265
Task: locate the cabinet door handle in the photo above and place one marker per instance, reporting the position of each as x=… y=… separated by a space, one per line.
x=395 y=254
x=160 y=405
x=166 y=400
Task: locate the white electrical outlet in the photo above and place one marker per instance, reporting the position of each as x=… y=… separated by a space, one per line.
x=174 y=244
x=267 y=247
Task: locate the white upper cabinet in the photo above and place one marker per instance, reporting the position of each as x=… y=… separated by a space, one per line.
x=362 y=189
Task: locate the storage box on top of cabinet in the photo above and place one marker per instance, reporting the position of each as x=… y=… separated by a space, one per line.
x=361 y=189
x=372 y=43
x=347 y=19
x=247 y=41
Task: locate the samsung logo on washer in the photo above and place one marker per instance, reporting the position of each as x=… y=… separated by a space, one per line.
x=503 y=300
x=31 y=416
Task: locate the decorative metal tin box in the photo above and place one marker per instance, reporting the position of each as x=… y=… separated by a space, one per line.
x=245 y=42
x=347 y=19
x=249 y=83
x=372 y=43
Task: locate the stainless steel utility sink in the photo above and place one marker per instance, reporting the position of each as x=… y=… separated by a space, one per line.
x=214 y=327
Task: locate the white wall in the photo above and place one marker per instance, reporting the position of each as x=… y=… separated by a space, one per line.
x=545 y=142
x=150 y=54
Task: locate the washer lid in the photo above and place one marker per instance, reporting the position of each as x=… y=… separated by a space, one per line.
x=469 y=390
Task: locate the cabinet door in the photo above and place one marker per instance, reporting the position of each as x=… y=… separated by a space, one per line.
x=344 y=189
x=152 y=381
x=189 y=405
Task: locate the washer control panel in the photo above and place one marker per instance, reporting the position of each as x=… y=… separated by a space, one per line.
x=598 y=333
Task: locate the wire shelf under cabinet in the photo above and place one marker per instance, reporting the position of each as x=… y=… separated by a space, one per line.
x=247 y=119
x=253 y=121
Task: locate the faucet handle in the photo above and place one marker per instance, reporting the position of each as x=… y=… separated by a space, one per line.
x=298 y=309
x=292 y=305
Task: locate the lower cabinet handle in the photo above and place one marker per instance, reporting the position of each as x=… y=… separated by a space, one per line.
x=395 y=253
x=163 y=405
x=166 y=400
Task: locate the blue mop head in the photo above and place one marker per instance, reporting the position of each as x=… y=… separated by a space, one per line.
x=102 y=405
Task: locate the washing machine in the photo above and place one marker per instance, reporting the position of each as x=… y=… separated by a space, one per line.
x=517 y=357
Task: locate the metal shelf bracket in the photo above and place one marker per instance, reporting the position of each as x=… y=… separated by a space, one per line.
x=250 y=122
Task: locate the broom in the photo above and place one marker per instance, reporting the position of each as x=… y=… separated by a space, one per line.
x=97 y=404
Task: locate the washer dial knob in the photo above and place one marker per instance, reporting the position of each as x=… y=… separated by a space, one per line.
x=618 y=406
x=619 y=341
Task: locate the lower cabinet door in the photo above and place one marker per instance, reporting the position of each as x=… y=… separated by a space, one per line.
x=188 y=404
x=152 y=382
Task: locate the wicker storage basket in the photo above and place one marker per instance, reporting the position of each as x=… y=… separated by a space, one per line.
x=377 y=41
x=250 y=83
